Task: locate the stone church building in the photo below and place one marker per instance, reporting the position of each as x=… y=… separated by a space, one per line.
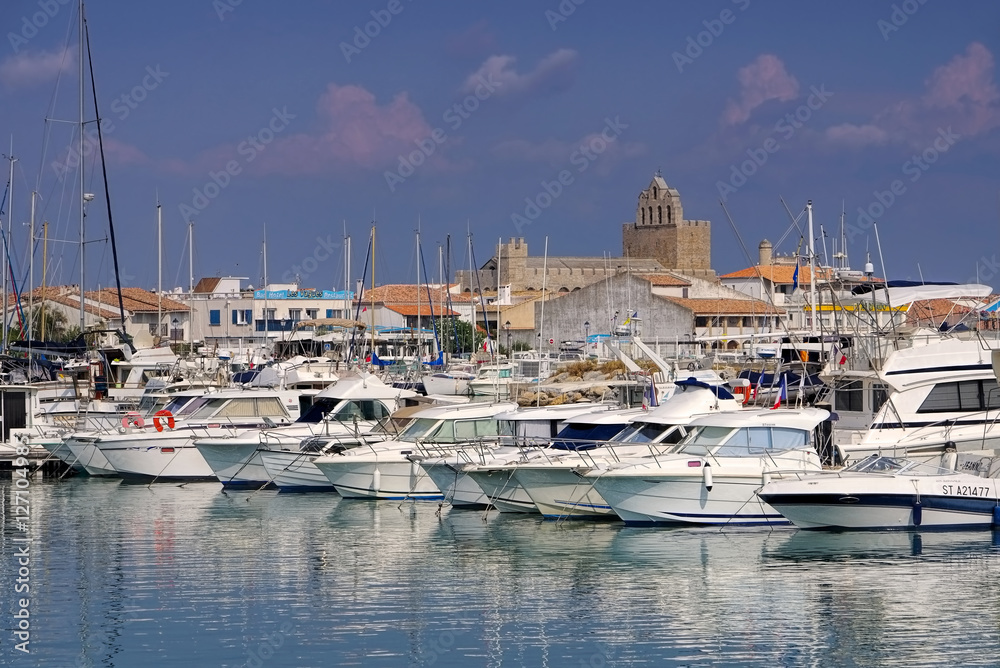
x=659 y=241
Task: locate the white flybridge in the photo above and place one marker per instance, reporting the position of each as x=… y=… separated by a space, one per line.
x=528 y=428
x=552 y=480
x=885 y=493
x=939 y=396
x=165 y=450
x=352 y=406
x=712 y=476
x=385 y=470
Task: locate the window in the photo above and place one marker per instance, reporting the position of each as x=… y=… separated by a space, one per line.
x=269 y=313
x=967 y=395
x=850 y=397
x=242 y=316
x=312 y=313
x=880 y=394
x=295 y=314
x=215 y=317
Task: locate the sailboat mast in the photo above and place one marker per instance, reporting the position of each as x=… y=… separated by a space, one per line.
x=419 y=331
x=812 y=270
x=45 y=251
x=6 y=256
x=83 y=201
x=159 y=268
x=371 y=316
x=191 y=284
x=31 y=265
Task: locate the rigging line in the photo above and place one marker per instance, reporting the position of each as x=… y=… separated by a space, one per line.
x=55 y=96
x=107 y=192
x=795 y=224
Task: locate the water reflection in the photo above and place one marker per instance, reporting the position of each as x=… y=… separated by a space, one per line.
x=186 y=574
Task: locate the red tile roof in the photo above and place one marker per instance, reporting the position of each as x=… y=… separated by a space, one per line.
x=408 y=294
x=423 y=311
x=781 y=274
x=135 y=300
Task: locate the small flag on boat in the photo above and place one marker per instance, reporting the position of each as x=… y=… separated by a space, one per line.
x=363 y=309
x=838 y=355
x=757 y=386
x=485 y=341
x=795 y=275
x=782 y=393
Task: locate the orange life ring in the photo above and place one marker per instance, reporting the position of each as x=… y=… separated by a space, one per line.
x=133 y=419
x=164 y=413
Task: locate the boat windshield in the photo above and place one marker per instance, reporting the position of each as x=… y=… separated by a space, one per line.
x=320 y=407
x=418 y=428
x=456 y=431
x=895 y=466
x=151 y=403
x=177 y=403
x=742 y=442
x=640 y=432
x=581 y=436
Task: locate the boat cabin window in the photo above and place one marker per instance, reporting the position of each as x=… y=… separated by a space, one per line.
x=962 y=396
x=850 y=397
x=362 y=410
x=640 y=432
x=875 y=464
x=743 y=442
x=187 y=405
x=453 y=431
x=149 y=405
x=418 y=428
x=880 y=395
x=177 y=403
x=583 y=436
x=320 y=407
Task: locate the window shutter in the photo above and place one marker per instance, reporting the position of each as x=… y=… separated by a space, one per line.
x=234 y=316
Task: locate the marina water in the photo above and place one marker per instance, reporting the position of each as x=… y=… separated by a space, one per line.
x=168 y=575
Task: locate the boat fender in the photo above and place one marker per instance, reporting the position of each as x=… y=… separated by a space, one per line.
x=706 y=473
x=376 y=481
x=950 y=460
x=414 y=469
x=765 y=477
x=133 y=419
x=918 y=512
x=163 y=414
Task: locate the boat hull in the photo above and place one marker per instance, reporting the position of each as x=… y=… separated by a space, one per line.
x=235 y=464
x=458 y=489
x=503 y=491
x=294 y=471
x=559 y=493
x=161 y=459
x=90 y=457
x=397 y=478
x=684 y=500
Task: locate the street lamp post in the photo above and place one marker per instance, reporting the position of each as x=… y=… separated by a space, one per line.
x=506 y=329
x=586 y=336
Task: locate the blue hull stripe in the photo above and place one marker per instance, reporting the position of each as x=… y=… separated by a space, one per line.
x=964 y=504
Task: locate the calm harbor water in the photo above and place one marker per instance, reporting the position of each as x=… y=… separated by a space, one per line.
x=124 y=575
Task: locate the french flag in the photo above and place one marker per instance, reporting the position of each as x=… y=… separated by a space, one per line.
x=782 y=393
x=838 y=355
x=757 y=386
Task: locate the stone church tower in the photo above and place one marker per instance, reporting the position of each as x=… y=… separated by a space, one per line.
x=661 y=233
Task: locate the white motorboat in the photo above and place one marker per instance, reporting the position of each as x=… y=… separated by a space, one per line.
x=82 y=446
x=451 y=382
x=385 y=470
x=529 y=428
x=882 y=492
x=496 y=477
x=351 y=406
x=166 y=450
x=939 y=394
x=712 y=476
x=493 y=380
x=556 y=489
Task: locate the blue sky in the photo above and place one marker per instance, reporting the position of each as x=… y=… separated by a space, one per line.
x=304 y=123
